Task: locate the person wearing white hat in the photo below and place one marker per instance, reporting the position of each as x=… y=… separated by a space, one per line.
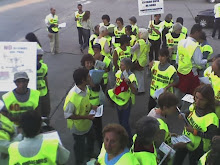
x=21 y=99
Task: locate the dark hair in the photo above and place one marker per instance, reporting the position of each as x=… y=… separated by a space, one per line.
x=31 y=37
x=155 y=15
x=120 y=19
x=180 y=20
x=79 y=75
x=98 y=46
x=133 y=19
x=167 y=99
x=30 y=122
x=118 y=130
x=124 y=39
x=196 y=28
x=164 y=52
x=86 y=16
x=146 y=129
x=207 y=92
x=106 y=17
x=217 y=61
x=79 y=4
x=87 y=57
x=129 y=28
x=203 y=36
x=96 y=27
x=213 y=157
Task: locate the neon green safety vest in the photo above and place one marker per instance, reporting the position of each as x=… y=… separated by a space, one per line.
x=161 y=79
x=154 y=36
x=102 y=42
x=217 y=10
x=123 y=54
x=200 y=124
x=173 y=42
x=126 y=159
x=110 y=26
x=164 y=126
x=83 y=107
x=41 y=83
x=133 y=40
x=54 y=21
x=94 y=97
x=135 y=28
x=208 y=72
x=107 y=62
x=185 y=56
x=215 y=81
x=47 y=154
x=141 y=54
x=144 y=157
x=79 y=16
x=118 y=34
x=123 y=97
x=167 y=25
x=202 y=160
x=207 y=48
x=16 y=108
x=6 y=128
x=91 y=41
x=184 y=30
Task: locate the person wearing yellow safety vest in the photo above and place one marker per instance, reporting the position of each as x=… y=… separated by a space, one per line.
x=31 y=37
x=76 y=110
x=119 y=30
x=114 y=149
x=143 y=148
x=155 y=29
x=42 y=151
x=123 y=94
x=21 y=99
x=140 y=58
x=123 y=51
x=167 y=106
x=128 y=31
x=208 y=71
x=51 y=22
x=164 y=76
x=172 y=40
x=42 y=85
x=202 y=125
x=92 y=39
x=101 y=39
x=135 y=29
x=184 y=29
x=217 y=20
x=212 y=157
x=78 y=18
x=215 y=81
x=189 y=57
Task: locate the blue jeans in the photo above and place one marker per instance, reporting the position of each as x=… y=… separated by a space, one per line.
x=123 y=117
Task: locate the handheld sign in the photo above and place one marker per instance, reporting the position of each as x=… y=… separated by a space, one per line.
x=150 y=7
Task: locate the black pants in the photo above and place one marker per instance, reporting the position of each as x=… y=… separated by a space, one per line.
x=97 y=123
x=151 y=104
x=216 y=27
x=194 y=156
x=154 y=49
x=86 y=35
x=84 y=146
x=44 y=105
x=80 y=35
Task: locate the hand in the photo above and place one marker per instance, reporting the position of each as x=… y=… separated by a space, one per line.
x=90 y=117
x=94 y=107
x=151 y=26
x=179 y=145
x=173 y=134
x=56 y=25
x=166 y=88
x=151 y=64
x=189 y=128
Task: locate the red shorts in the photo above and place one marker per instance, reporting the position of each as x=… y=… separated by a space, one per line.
x=188 y=83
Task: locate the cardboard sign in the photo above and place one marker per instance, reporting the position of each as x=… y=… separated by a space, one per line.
x=150 y=7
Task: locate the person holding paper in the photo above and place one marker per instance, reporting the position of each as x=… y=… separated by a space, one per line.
x=119 y=30
x=76 y=110
x=51 y=22
x=47 y=151
x=143 y=148
x=163 y=76
x=202 y=126
x=123 y=94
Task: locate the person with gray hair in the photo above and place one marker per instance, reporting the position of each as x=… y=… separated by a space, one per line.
x=172 y=40
x=147 y=129
x=140 y=58
x=123 y=94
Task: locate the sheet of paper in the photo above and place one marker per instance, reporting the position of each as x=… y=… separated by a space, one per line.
x=98 y=112
x=99 y=65
x=158 y=92
x=166 y=149
x=188 y=98
x=181 y=138
x=52 y=135
x=62 y=25
x=204 y=80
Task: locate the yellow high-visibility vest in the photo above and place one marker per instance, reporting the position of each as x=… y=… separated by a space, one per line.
x=41 y=83
x=7 y=128
x=79 y=16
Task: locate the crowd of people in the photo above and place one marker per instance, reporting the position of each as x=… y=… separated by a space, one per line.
x=180 y=63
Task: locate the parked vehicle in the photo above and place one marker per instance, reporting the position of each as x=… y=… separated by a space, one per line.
x=205 y=18
x=213 y=1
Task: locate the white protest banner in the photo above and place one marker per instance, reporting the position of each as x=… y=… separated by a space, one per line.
x=150 y=7
x=17 y=57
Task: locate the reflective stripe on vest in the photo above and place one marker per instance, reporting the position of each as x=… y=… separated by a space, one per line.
x=118 y=35
x=47 y=154
x=173 y=42
x=15 y=107
x=154 y=36
x=41 y=83
x=79 y=16
x=160 y=79
x=200 y=124
x=83 y=108
x=94 y=97
x=185 y=56
x=167 y=25
x=123 y=97
x=123 y=54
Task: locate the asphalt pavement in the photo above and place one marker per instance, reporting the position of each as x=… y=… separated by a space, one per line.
x=20 y=17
